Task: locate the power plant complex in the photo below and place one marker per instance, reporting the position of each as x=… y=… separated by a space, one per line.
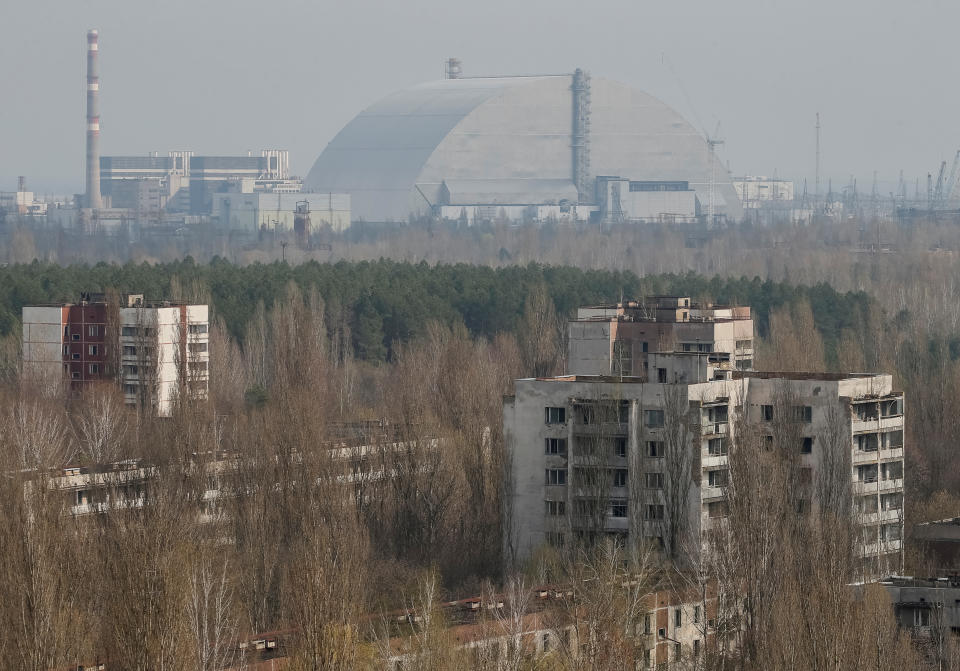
x=563 y=148
x=461 y=146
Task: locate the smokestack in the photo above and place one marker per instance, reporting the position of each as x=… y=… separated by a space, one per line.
x=93 y=122
x=21 y=184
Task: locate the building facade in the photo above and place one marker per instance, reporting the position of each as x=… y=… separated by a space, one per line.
x=615 y=339
x=154 y=350
x=647 y=460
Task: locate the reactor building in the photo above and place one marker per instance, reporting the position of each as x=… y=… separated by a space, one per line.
x=525 y=147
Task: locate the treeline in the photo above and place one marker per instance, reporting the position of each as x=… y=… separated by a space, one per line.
x=385 y=303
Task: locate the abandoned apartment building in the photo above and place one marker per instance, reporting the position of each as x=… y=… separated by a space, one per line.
x=153 y=350
x=596 y=454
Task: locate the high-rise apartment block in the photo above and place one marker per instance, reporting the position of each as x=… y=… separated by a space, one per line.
x=646 y=457
x=615 y=339
x=155 y=350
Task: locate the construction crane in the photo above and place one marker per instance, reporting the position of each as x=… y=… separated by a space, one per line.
x=938 y=191
x=712 y=143
x=950 y=190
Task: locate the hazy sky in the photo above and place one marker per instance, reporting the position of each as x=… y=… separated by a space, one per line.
x=225 y=77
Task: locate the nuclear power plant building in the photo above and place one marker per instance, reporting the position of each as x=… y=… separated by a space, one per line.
x=563 y=141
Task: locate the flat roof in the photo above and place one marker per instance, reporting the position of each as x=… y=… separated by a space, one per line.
x=789 y=375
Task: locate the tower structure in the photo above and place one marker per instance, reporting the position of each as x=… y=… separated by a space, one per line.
x=92 y=198
x=581 y=134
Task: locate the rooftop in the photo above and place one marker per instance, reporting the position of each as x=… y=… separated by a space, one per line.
x=789 y=375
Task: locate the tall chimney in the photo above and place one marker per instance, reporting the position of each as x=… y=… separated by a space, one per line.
x=93 y=122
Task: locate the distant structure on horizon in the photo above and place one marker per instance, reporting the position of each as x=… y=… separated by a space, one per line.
x=565 y=146
x=92 y=198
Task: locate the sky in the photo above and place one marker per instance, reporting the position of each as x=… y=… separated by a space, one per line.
x=221 y=77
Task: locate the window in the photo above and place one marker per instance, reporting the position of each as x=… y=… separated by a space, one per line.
x=654 y=480
x=619 y=477
x=696 y=614
x=93 y=369
x=75 y=375
x=620 y=447
x=766 y=413
x=556 y=445
x=556 y=508
x=921 y=617
x=556 y=476
x=653 y=418
x=867 y=504
x=83 y=497
x=198 y=347
x=803 y=413
x=891 y=501
x=744 y=344
x=130 y=389
x=717 y=509
x=76 y=336
x=678 y=617
x=196 y=329
x=75 y=356
x=545 y=642
x=891 y=471
x=718 y=478
x=648 y=624
x=555 y=539
x=806 y=446
x=655 y=448
x=649 y=658
x=867 y=473
x=719 y=413
x=644 y=347
x=696 y=647
x=866 y=411
x=677 y=652
x=717 y=447
x=892 y=440
x=891 y=532
x=891 y=408
x=93 y=331
x=618 y=508
x=653 y=511
x=92 y=350
x=129 y=350
x=661 y=378
x=555 y=415
x=128 y=331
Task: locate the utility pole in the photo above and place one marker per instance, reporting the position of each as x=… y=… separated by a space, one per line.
x=816 y=180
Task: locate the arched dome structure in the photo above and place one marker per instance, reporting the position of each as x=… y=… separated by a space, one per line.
x=511 y=140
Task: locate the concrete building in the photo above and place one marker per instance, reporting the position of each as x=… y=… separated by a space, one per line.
x=259 y=211
x=615 y=339
x=21 y=202
x=154 y=350
x=593 y=455
x=185 y=182
x=621 y=200
x=521 y=141
x=757 y=192
x=929 y=608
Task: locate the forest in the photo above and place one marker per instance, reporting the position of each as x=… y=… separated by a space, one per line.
x=405 y=366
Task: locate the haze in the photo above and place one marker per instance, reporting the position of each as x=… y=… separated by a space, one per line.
x=220 y=77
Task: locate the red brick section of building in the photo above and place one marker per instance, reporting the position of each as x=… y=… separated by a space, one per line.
x=84 y=358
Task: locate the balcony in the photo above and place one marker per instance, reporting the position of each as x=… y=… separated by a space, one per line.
x=713 y=460
x=601 y=429
x=871 y=485
x=714 y=429
x=709 y=494
x=865 y=456
x=876 y=424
